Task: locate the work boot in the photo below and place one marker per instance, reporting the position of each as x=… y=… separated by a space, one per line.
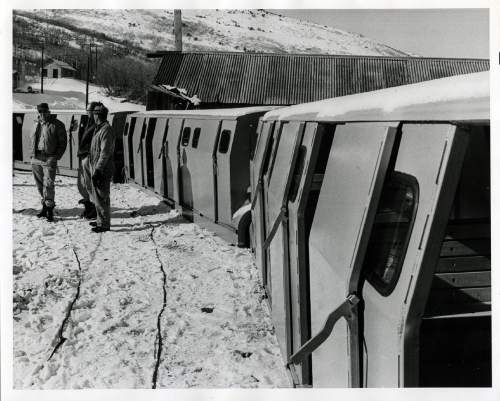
x=43 y=212
x=90 y=211
x=50 y=214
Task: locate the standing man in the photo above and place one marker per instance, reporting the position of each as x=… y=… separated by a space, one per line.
x=48 y=144
x=101 y=156
x=84 y=181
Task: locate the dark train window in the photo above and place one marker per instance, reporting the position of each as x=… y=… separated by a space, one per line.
x=391 y=232
x=186 y=133
x=225 y=139
x=196 y=137
x=297 y=174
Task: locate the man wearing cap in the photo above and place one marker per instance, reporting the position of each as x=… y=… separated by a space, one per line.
x=101 y=156
x=48 y=144
x=84 y=182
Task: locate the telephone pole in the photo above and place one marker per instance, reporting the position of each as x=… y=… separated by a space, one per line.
x=178 y=30
x=88 y=76
x=41 y=72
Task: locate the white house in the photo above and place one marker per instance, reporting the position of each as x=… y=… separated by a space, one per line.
x=58 y=69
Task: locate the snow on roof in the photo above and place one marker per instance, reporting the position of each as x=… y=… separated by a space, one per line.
x=461 y=97
x=61 y=64
x=207 y=113
x=67 y=111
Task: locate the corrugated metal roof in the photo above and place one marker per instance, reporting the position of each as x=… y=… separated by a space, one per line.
x=282 y=79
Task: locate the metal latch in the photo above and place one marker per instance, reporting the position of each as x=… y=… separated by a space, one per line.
x=345 y=310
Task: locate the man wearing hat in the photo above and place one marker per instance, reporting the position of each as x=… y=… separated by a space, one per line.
x=84 y=182
x=101 y=155
x=48 y=144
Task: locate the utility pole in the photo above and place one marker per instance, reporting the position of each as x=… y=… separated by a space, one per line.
x=41 y=71
x=88 y=77
x=178 y=30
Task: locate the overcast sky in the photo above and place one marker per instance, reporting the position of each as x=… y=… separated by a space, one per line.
x=431 y=33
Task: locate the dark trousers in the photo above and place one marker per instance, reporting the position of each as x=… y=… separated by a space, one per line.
x=102 y=202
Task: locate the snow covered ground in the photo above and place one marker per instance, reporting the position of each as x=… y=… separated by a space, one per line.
x=69 y=94
x=157 y=301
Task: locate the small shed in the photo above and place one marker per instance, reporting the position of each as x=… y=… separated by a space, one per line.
x=15 y=79
x=58 y=69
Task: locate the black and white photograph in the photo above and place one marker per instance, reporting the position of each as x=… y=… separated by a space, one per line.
x=284 y=198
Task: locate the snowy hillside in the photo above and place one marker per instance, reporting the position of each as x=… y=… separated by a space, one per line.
x=156 y=301
x=220 y=30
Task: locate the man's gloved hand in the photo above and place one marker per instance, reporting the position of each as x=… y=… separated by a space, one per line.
x=97 y=178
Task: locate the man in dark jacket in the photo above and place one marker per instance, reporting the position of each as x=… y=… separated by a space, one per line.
x=84 y=182
x=102 y=150
x=48 y=144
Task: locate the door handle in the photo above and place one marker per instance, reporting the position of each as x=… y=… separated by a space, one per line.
x=344 y=310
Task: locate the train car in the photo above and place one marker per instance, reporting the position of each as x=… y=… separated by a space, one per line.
x=371 y=229
x=198 y=160
x=24 y=123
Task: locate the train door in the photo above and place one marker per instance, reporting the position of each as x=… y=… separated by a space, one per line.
x=158 y=154
x=198 y=146
x=173 y=159
x=404 y=247
x=259 y=165
x=138 y=135
x=224 y=152
x=275 y=246
x=344 y=215
x=74 y=138
x=129 y=146
x=126 y=162
x=302 y=199
x=147 y=153
x=65 y=160
x=29 y=126
x=458 y=309
x=17 y=136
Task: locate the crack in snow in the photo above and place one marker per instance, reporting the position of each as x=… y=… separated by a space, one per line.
x=59 y=335
x=159 y=339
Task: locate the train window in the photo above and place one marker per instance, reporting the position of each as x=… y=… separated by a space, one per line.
x=225 y=138
x=297 y=174
x=186 y=133
x=391 y=232
x=196 y=137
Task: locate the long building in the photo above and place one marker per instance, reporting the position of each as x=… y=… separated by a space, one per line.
x=229 y=79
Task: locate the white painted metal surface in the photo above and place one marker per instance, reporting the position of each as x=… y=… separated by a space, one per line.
x=346 y=206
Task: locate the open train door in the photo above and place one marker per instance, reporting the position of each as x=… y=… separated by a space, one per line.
x=404 y=249
x=351 y=188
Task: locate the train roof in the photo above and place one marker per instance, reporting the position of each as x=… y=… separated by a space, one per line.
x=67 y=111
x=457 y=98
x=207 y=113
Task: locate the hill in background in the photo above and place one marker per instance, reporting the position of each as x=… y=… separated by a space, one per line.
x=122 y=38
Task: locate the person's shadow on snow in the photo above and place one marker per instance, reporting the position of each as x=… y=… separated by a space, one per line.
x=122 y=228
x=117 y=213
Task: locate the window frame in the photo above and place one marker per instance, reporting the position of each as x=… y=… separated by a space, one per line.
x=224 y=131
x=196 y=137
x=386 y=288
x=186 y=136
